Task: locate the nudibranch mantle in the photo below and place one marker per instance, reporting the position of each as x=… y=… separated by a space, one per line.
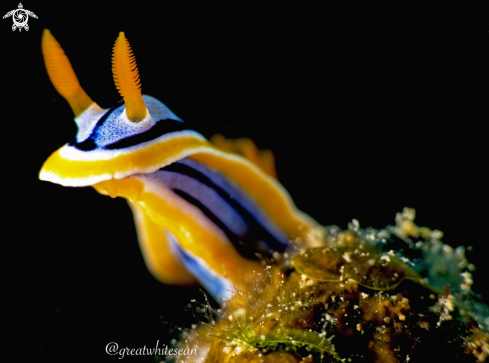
x=108 y=145
x=202 y=212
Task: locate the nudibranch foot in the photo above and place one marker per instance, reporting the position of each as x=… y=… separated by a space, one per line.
x=207 y=222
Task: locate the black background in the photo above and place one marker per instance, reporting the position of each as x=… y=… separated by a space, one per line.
x=367 y=107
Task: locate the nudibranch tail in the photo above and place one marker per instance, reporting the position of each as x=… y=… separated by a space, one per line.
x=245 y=147
x=62 y=75
x=126 y=77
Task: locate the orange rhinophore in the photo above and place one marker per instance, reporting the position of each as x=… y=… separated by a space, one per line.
x=126 y=79
x=62 y=75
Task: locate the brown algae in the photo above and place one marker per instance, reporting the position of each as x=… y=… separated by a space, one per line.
x=348 y=297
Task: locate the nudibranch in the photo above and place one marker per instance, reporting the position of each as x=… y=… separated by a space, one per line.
x=202 y=212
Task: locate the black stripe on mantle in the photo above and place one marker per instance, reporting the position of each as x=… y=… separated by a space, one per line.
x=256 y=231
x=160 y=128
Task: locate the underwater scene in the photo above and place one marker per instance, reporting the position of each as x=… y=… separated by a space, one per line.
x=242 y=183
